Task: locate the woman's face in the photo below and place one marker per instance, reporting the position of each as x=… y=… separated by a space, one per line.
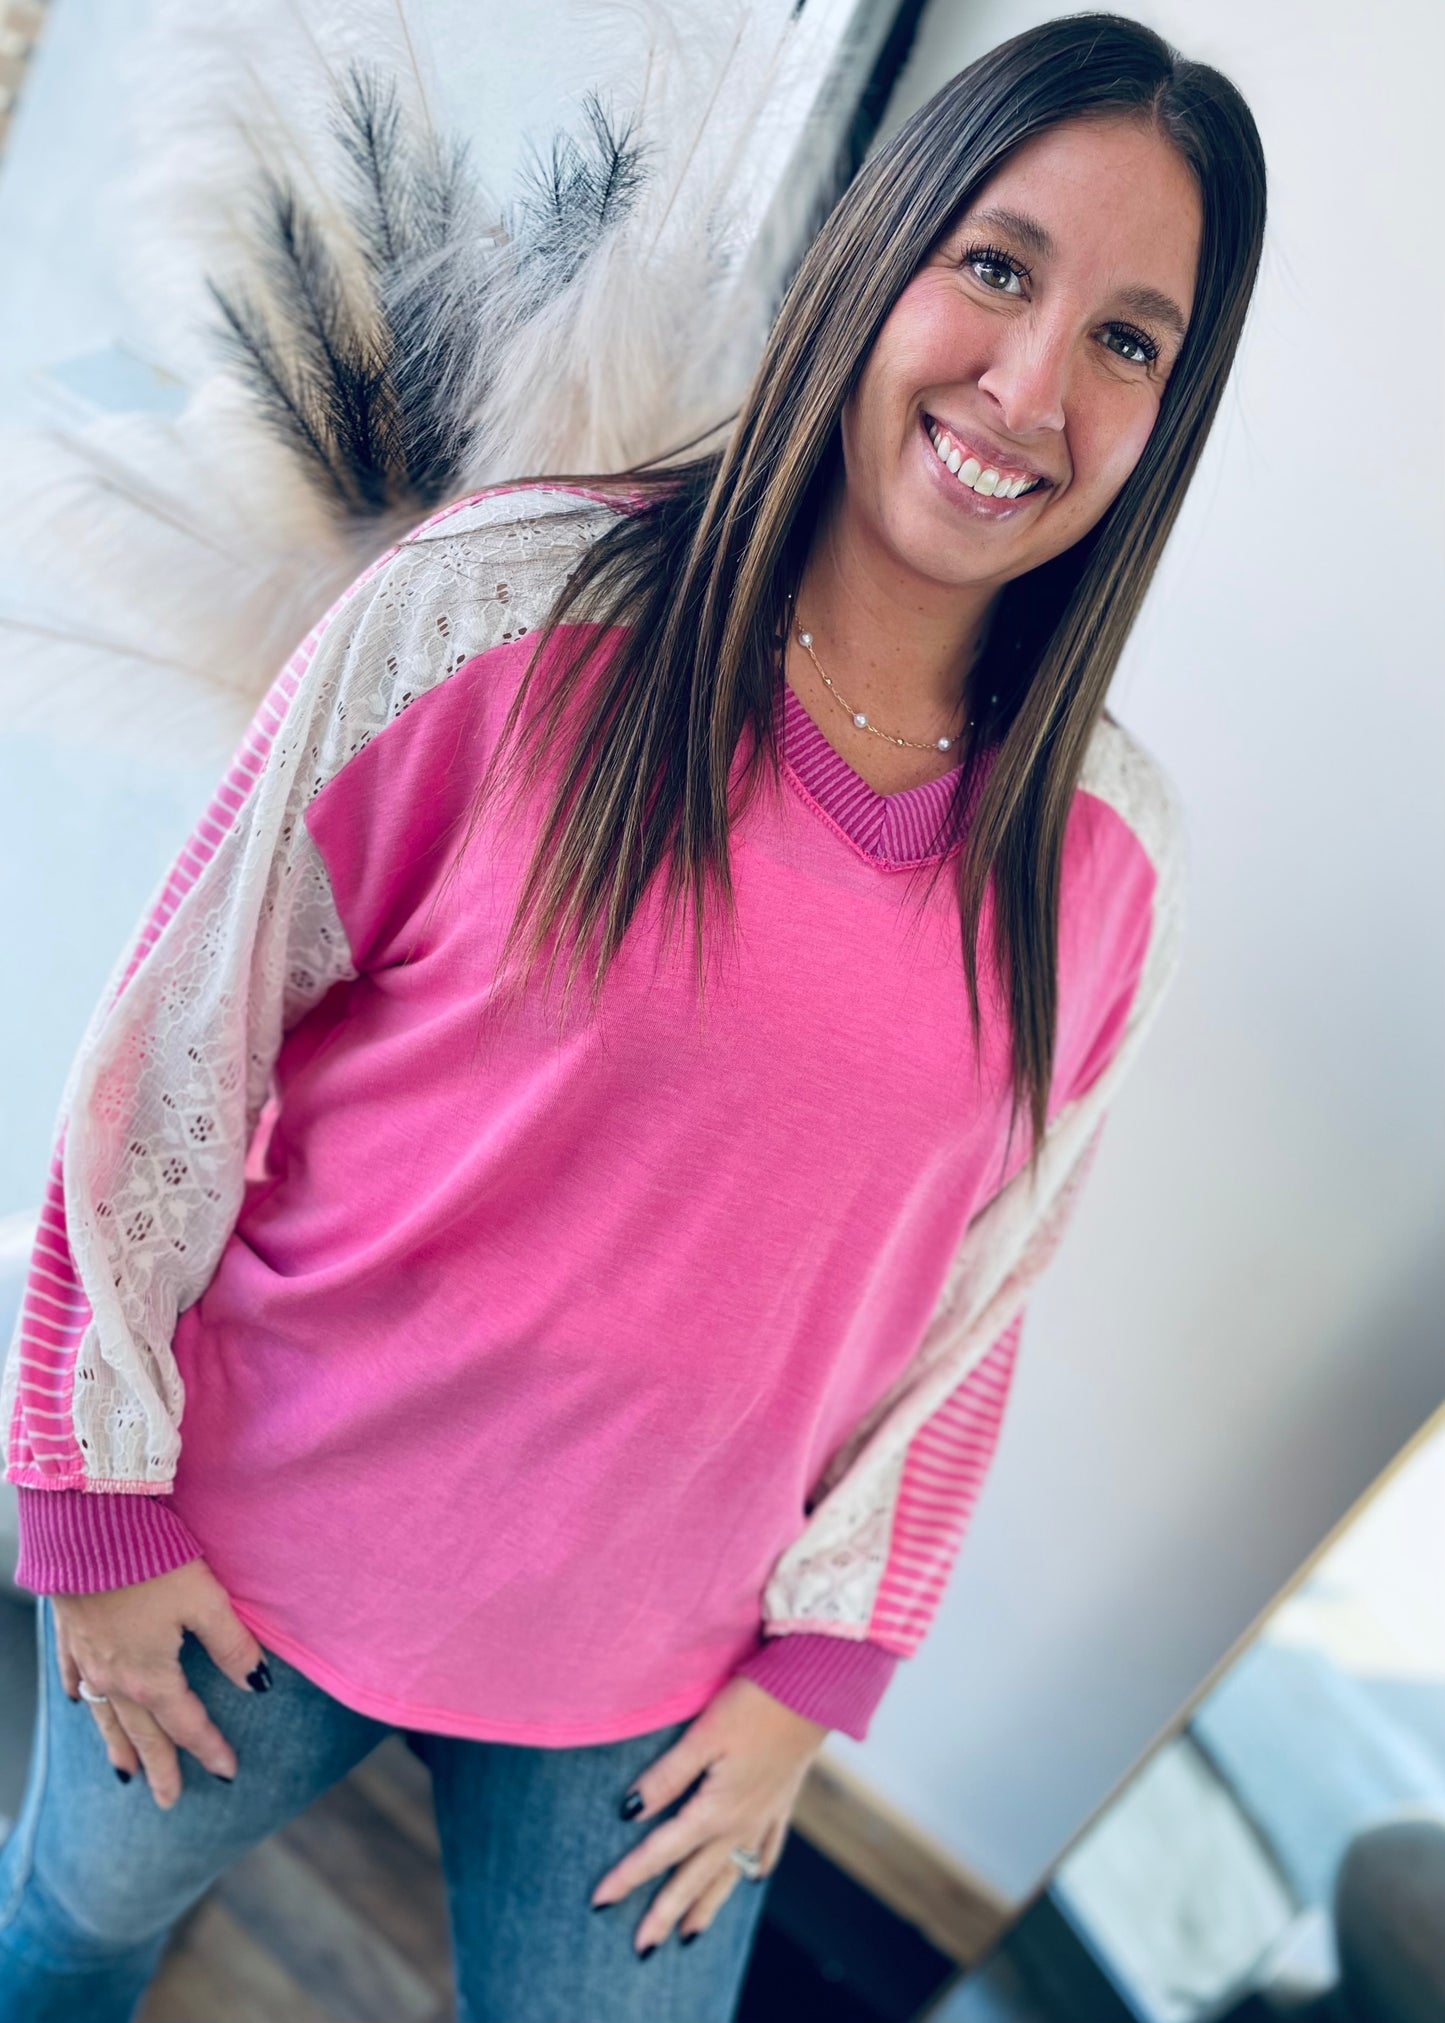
x=1035 y=342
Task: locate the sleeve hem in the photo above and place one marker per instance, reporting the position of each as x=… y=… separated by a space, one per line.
x=837 y=1681
x=77 y=1541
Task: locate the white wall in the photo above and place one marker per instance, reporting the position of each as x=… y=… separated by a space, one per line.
x=103 y=830
x=1245 y=1321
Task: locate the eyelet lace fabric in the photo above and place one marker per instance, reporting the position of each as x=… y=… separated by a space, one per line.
x=243 y=937
x=837 y=1573
x=240 y=940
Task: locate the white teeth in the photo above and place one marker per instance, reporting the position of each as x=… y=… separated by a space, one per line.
x=969 y=471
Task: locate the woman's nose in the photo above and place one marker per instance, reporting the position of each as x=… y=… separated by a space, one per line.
x=1028 y=378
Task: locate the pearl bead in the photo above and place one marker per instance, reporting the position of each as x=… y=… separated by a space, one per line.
x=861 y=720
x=944 y=743
x=805 y=639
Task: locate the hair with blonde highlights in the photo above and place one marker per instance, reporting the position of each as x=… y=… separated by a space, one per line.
x=698 y=570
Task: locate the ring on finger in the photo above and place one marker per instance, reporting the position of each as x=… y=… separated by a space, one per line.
x=93 y=1699
x=748 y=1861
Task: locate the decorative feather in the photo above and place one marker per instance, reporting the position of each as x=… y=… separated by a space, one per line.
x=367 y=331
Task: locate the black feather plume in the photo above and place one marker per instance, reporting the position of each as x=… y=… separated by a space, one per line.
x=570 y=197
x=350 y=364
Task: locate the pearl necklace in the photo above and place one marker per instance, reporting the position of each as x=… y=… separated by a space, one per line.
x=943 y=744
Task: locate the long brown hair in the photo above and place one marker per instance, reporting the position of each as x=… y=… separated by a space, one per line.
x=698 y=570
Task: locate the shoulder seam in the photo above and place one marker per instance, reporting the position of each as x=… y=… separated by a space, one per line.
x=1119 y=770
x=501 y=503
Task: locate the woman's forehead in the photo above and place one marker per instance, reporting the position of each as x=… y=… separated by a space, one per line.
x=1114 y=193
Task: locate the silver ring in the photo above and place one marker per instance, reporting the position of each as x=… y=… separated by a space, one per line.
x=95 y=1699
x=751 y=1864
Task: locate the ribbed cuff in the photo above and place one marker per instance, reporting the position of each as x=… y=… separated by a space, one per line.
x=79 y=1541
x=837 y=1681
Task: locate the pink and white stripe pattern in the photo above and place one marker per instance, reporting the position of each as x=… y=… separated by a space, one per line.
x=949 y=1457
x=943 y=1473
x=43 y=1450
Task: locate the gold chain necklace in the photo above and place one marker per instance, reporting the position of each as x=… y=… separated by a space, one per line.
x=860 y=717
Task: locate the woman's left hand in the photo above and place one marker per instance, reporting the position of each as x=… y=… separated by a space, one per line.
x=752 y=1754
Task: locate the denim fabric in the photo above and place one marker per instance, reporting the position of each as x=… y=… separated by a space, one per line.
x=94 y=1875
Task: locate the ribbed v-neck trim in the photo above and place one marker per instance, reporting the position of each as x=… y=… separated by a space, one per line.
x=901 y=828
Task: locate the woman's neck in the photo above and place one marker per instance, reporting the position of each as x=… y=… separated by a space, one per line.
x=897 y=648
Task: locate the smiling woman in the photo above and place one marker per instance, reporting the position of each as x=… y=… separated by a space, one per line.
x=1003 y=405
x=1046 y=389
x=617 y=1386
x=1049 y=265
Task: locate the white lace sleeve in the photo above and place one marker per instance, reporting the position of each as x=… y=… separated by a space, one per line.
x=883 y=1525
x=241 y=939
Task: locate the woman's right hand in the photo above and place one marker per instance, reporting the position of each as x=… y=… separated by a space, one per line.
x=125 y=1642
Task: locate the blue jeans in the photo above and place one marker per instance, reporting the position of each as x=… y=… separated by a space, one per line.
x=95 y=1875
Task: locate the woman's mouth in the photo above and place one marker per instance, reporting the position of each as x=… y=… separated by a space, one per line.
x=984 y=480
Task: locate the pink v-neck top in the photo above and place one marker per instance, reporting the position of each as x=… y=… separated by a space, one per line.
x=531 y=1338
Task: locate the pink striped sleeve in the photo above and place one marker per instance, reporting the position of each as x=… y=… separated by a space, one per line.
x=81 y=1527
x=1105 y=934
x=839 y=1681
x=43 y=1451
x=943 y=1474
x=149 y=1158
x=148 y=1167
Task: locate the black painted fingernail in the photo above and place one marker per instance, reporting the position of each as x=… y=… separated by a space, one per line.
x=632 y=1804
x=602 y=1907
x=645 y=1951
x=221 y=1777
x=260 y=1680
x=688 y=1937
x=123 y=1775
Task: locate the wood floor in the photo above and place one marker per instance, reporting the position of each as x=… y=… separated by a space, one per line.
x=338 y=1918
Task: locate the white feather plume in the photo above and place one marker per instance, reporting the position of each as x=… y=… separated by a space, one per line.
x=159 y=569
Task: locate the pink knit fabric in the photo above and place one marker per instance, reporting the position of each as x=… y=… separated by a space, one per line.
x=530 y=1343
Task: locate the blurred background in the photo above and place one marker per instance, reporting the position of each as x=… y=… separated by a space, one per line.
x=1126 y=1768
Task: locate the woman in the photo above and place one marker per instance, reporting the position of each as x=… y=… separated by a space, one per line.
x=599 y=1392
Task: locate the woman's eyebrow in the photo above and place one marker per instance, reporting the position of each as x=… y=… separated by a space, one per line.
x=1031 y=235
x=1158 y=307
x=1017 y=225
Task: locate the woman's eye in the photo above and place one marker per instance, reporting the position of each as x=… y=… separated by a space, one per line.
x=1132 y=344
x=1002 y=279
x=996 y=270
x=1002 y=274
